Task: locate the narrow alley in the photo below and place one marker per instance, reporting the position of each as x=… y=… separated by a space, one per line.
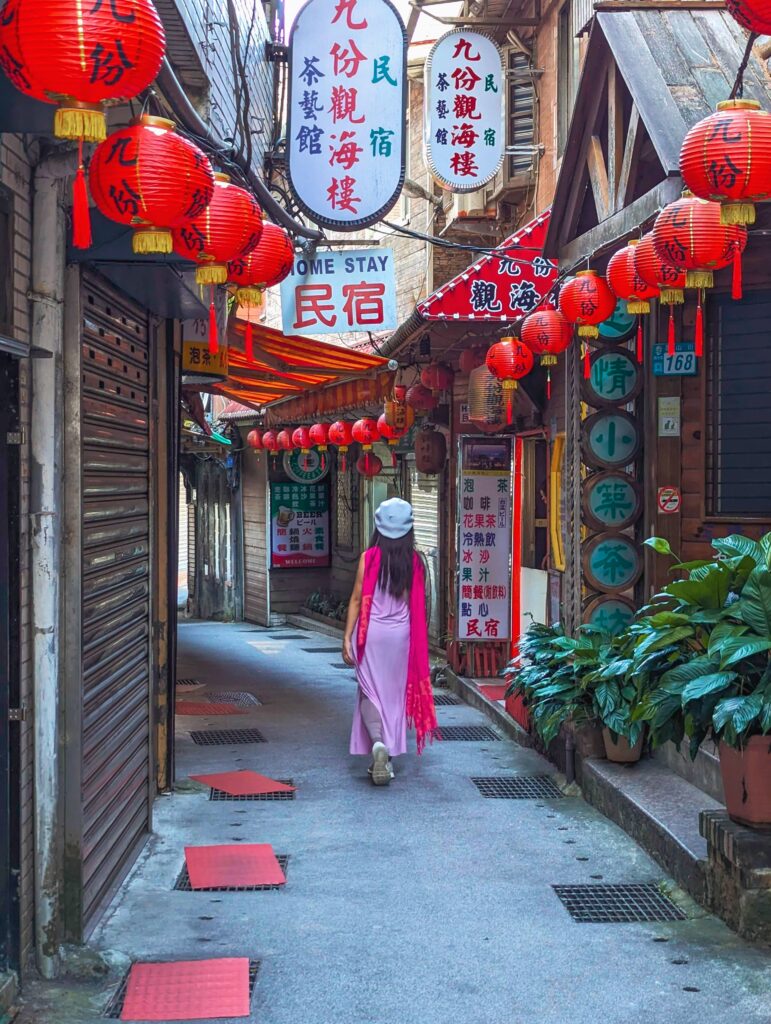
x=419 y=902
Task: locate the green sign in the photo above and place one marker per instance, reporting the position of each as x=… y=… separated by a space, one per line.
x=618 y=327
x=612 y=562
x=611 y=501
x=610 y=614
x=615 y=378
x=306 y=468
x=611 y=439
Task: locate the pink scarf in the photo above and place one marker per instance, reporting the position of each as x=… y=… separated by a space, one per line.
x=421 y=714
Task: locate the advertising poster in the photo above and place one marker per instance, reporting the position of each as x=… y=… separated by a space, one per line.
x=299 y=526
x=484 y=540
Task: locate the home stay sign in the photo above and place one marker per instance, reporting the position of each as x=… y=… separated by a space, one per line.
x=464 y=110
x=338 y=292
x=347 y=102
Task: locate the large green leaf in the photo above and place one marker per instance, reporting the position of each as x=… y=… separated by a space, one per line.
x=740 y=712
x=689 y=670
x=724 y=631
x=736 y=544
x=765 y=544
x=733 y=651
x=710 y=592
x=662 y=638
x=755 y=604
x=703 y=685
x=660 y=546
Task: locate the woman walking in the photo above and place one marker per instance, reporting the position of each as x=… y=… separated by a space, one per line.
x=386 y=639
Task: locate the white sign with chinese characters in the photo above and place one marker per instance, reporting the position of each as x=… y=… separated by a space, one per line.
x=464 y=126
x=484 y=542
x=347 y=102
x=337 y=292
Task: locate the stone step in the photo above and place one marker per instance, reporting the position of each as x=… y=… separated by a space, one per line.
x=660 y=810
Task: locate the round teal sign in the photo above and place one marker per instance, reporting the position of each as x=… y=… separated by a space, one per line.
x=610 y=614
x=615 y=378
x=618 y=327
x=612 y=562
x=611 y=500
x=610 y=440
x=305 y=469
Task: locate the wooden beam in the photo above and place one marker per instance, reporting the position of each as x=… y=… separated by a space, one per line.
x=615 y=131
x=598 y=176
x=632 y=147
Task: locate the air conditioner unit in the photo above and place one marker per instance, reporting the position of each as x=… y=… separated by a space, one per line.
x=470 y=204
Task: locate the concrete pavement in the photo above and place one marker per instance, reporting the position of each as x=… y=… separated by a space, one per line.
x=417 y=904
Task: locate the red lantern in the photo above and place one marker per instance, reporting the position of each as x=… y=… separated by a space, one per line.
x=366 y=433
x=547 y=333
x=587 y=301
x=391 y=435
x=267 y=264
x=631 y=288
x=254 y=440
x=754 y=15
x=341 y=436
x=229 y=228
x=735 y=176
x=430 y=451
x=509 y=360
x=668 y=279
x=397 y=413
x=471 y=358
x=150 y=178
x=369 y=465
x=285 y=442
x=301 y=438
x=421 y=399
x=437 y=378
x=270 y=442
x=319 y=437
x=79 y=55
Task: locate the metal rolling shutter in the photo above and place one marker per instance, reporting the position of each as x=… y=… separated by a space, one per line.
x=115 y=787
x=424 y=497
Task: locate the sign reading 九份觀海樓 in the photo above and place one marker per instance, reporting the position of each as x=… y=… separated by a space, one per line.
x=337 y=292
x=347 y=102
x=484 y=541
x=299 y=526
x=464 y=110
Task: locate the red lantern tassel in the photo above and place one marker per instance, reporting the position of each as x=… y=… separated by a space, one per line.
x=699 y=329
x=736 y=279
x=509 y=410
x=323 y=462
x=344 y=466
x=81 y=215
x=249 y=342
x=393 y=458
x=366 y=463
x=639 y=340
x=671 y=332
x=214 y=345
x=548 y=385
x=587 y=363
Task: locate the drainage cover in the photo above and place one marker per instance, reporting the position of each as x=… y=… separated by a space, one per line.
x=517 y=787
x=467 y=732
x=445 y=700
x=220 y=794
x=183 y=881
x=288 y=636
x=115 y=1006
x=240 y=699
x=187 y=683
x=612 y=903
x=322 y=650
x=221 y=737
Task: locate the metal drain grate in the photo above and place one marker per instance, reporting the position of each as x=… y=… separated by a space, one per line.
x=220 y=794
x=183 y=881
x=187 y=684
x=241 y=699
x=288 y=636
x=322 y=650
x=615 y=903
x=446 y=700
x=467 y=732
x=115 y=1006
x=517 y=787
x=222 y=737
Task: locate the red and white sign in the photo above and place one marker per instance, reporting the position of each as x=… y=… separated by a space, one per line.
x=347 y=101
x=464 y=126
x=498 y=288
x=669 y=500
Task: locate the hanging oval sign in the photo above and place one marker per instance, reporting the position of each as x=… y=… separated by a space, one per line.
x=618 y=327
x=610 y=614
x=612 y=562
x=463 y=116
x=305 y=469
x=610 y=500
x=610 y=439
x=615 y=378
x=346 y=110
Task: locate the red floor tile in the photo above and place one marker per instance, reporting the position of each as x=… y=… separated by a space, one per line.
x=219 y=866
x=193 y=707
x=188 y=990
x=243 y=783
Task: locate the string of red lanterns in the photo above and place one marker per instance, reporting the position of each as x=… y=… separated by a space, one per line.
x=627 y=284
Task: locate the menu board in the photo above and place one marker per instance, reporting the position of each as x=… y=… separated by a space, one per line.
x=299 y=526
x=484 y=539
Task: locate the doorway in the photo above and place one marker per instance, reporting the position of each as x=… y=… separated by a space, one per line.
x=534 y=577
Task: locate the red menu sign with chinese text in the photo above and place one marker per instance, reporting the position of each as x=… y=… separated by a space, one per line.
x=498 y=288
x=347 y=102
x=484 y=538
x=464 y=126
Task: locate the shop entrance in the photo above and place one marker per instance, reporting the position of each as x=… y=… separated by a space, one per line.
x=534 y=578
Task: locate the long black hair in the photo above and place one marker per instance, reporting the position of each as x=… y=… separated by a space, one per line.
x=396 y=556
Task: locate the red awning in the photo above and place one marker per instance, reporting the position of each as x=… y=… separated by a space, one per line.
x=498 y=288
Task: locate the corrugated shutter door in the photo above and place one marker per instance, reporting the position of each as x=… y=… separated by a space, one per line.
x=254 y=510
x=424 y=496
x=115 y=590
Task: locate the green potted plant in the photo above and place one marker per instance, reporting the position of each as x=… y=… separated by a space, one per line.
x=715 y=679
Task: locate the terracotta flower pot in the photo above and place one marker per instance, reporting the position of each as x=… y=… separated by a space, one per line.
x=747 y=781
x=619 y=750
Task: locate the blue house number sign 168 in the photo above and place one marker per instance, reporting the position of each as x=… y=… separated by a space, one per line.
x=681 y=364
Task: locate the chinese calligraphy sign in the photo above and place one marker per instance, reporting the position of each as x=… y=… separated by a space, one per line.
x=338 y=292
x=299 y=525
x=615 y=378
x=464 y=110
x=484 y=539
x=612 y=562
x=197 y=360
x=347 y=101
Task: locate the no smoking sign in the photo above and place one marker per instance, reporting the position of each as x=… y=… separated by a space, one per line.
x=669 y=500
